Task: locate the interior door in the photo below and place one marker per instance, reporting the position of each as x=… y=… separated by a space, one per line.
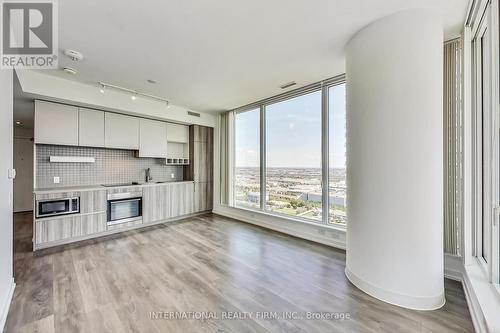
x=23 y=183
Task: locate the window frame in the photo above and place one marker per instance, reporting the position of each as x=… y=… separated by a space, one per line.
x=322 y=86
x=485 y=25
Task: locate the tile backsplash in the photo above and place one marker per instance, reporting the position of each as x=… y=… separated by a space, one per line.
x=111 y=166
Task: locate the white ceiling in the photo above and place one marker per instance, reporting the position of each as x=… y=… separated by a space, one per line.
x=217 y=55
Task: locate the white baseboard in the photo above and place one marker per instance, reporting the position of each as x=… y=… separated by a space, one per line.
x=475 y=311
x=6 y=306
x=421 y=303
x=454 y=269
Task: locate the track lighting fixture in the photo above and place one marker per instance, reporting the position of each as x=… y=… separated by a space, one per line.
x=134 y=93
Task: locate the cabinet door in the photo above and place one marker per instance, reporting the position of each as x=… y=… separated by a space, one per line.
x=202 y=133
x=202 y=163
x=156 y=203
x=91 y=128
x=177 y=133
x=56 y=124
x=202 y=196
x=121 y=131
x=153 y=138
x=182 y=198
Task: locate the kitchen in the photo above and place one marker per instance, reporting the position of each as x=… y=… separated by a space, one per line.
x=97 y=172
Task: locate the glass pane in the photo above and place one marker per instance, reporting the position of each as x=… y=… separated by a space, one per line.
x=125 y=209
x=53 y=207
x=337 y=154
x=247 y=159
x=293 y=157
x=486 y=112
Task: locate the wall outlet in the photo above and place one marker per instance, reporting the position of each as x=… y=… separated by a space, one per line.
x=172 y=175
x=57 y=180
x=12 y=173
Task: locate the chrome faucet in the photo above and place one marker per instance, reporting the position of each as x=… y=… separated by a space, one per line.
x=148 y=175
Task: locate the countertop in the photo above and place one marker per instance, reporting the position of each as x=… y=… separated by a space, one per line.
x=100 y=187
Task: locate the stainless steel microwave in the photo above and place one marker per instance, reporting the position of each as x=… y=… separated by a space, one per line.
x=55 y=207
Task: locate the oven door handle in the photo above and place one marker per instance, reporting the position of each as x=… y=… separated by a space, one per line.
x=122 y=201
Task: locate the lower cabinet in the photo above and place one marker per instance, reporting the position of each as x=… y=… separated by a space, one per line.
x=62 y=228
x=155 y=203
x=203 y=197
x=181 y=198
x=160 y=202
x=166 y=201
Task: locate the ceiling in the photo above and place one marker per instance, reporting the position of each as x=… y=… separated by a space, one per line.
x=218 y=55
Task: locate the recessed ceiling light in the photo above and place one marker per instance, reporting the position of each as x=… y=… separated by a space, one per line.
x=70 y=70
x=288 y=85
x=134 y=97
x=73 y=55
x=152 y=81
x=102 y=88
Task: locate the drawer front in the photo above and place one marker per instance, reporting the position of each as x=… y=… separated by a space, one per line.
x=53 y=230
x=137 y=190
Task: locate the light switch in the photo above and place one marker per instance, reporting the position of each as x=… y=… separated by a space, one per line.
x=56 y=180
x=172 y=175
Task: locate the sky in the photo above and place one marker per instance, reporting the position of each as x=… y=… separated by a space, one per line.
x=293 y=132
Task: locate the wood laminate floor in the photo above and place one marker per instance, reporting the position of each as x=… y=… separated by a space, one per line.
x=208 y=266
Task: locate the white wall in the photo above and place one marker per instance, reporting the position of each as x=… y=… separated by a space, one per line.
x=394 y=79
x=6 y=235
x=23 y=163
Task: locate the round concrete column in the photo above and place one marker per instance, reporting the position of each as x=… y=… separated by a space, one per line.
x=394 y=73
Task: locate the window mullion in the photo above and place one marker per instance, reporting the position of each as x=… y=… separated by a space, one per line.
x=325 y=163
x=262 y=170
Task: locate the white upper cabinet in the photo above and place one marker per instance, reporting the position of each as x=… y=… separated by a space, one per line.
x=153 y=138
x=121 y=131
x=56 y=123
x=91 y=128
x=177 y=133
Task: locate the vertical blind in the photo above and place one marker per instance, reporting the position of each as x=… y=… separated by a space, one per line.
x=453 y=147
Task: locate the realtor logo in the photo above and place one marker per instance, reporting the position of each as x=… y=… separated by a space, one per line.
x=29 y=34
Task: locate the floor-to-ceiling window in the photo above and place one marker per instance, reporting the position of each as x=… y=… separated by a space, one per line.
x=290 y=154
x=484 y=157
x=293 y=156
x=247 y=159
x=337 y=154
x=486 y=163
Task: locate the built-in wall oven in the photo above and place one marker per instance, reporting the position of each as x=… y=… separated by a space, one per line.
x=55 y=207
x=124 y=207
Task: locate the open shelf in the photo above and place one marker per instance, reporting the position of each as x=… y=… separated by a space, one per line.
x=177 y=153
x=177 y=161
